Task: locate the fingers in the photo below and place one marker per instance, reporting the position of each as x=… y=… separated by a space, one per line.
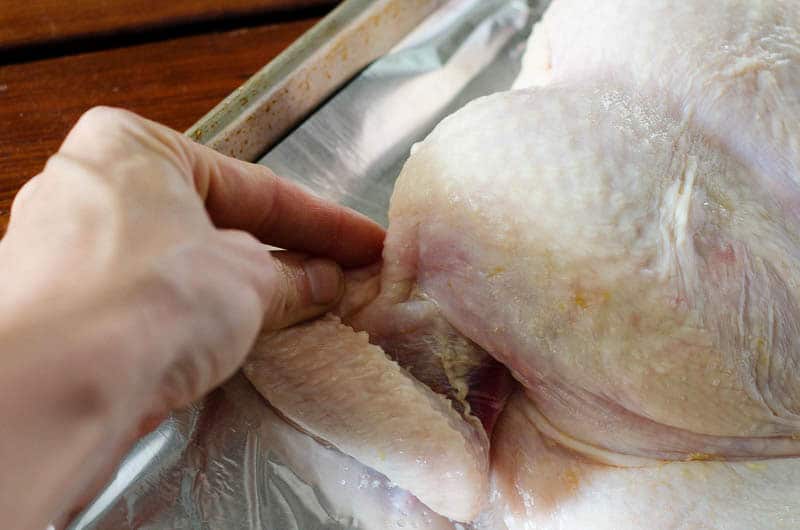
x=292 y=287
x=217 y=296
x=305 y=288
x=252 y=198
x=237 y=194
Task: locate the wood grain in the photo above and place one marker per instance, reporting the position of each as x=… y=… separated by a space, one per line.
x=30 y=22
x=174 y=82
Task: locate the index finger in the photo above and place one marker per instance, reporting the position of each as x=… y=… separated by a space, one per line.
x=252 y=198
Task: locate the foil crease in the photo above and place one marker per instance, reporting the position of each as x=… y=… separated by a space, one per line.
x=230 y=461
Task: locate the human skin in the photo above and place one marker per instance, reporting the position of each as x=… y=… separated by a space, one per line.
x=134 y=278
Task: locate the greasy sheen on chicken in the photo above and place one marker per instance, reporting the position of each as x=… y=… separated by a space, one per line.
x=622 y=235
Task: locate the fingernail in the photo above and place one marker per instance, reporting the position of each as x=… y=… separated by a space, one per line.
x=325 y=278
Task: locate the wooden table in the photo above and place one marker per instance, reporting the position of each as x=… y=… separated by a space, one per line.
x=169 y=61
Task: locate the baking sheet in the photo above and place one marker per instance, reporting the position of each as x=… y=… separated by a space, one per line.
x=255 y=116
x=230 y=462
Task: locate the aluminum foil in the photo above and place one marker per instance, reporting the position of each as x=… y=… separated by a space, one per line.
x=230 y=461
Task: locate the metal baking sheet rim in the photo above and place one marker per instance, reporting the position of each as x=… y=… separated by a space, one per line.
x=259 y=113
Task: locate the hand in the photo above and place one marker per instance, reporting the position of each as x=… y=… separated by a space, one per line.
x=133 y=279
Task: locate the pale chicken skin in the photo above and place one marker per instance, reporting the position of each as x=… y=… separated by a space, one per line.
x=622 y=233
x=656 y=325
x=333 y=383
x=732 y=66
x=539 y=484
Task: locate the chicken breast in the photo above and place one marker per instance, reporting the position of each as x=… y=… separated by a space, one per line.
x=633 y=276
x=637 y=279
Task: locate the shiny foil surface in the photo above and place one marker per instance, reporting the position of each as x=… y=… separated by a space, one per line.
x=230 y=461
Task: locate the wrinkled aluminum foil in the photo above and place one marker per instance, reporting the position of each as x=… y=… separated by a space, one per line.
x=231 y=462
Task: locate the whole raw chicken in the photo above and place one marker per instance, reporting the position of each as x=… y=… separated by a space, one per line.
x=621 y=235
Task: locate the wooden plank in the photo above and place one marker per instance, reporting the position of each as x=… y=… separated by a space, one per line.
x=36 y=22
x=174 y=82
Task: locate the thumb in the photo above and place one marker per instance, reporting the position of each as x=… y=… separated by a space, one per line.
x=300 y=288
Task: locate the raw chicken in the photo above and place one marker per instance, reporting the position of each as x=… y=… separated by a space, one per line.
x=656 y=324
x=333 y=383
x=541 y=485
x=730 y=66
x=623 y=239
x=665 y=308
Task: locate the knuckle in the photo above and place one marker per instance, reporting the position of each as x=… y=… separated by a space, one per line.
x=23 y=198
x=275 y=288
x=99 y=132
x=26 y=191
x=132 y=139
x=287 y=299
x=102 y=118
